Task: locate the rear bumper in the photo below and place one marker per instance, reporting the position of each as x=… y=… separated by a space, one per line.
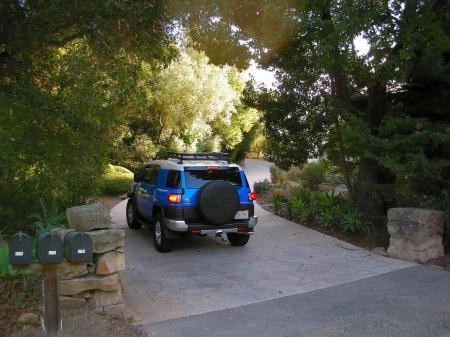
x=182 y=226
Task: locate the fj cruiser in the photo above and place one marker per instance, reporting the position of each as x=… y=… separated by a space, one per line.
x=192 y=193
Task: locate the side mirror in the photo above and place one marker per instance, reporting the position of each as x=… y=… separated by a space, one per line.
x=50 y=248
x=78 y=247
x=20 y=249
x=138 y=175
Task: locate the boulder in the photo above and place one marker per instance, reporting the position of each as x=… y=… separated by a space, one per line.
x=109 y=263
x=89 y=282
x=62 y=232
x=416 y=234
x=105 y=298
x=88 y=217
x=67 y=270
x=71 y=303
x=28 y=318
x=115 y=311
x=107 y=239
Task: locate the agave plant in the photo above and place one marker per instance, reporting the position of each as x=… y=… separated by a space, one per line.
x=48 y=218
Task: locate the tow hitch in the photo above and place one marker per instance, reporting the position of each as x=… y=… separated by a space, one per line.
x=221 y=235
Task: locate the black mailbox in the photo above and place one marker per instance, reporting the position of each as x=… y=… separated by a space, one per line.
x=78 y=247
x=20 y=249
x=50 y=248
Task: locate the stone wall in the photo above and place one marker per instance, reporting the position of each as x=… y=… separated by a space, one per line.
x=95 y=285
x=416 y=234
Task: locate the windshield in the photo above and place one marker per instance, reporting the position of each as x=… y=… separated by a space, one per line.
x=196 y=177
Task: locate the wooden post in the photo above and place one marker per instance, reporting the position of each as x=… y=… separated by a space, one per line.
x=52 y=316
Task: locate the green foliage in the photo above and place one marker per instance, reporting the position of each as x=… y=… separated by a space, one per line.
x=277 y=203
x=278 y=176
x=329 y=217
x=294 y=174
x=325 y=201
x=116 y=180
x=350 y=221
x=302 y=204
x=262 y=187
x=312 y=175
x=8 y=273
x=48 y=219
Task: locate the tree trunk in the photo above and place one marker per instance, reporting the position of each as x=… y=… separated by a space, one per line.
x=368 y=198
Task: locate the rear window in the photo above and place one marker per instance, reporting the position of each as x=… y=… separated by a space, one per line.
x=173 y=179
x=196 y=177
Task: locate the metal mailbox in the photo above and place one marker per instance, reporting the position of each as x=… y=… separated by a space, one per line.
x=78 y=247
x=20 y=249
x=50 y=248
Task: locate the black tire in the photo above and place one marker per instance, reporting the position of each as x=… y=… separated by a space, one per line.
x=218 y=202
x=162 y=243
x=238 y=239
x=131 y=216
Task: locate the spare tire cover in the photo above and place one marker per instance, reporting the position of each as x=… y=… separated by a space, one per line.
x=218 y=202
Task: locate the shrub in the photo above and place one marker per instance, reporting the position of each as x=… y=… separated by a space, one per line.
x=278 y=176
x=312 y=175
x=262 y=187
x=278 y=198
x=8 y=273
x=350 y=221
x=326 y=201
x=277 y=205
x=294 y=174
x=48 y=219
x=329 y=218
x=116 y=180
x=302 y=204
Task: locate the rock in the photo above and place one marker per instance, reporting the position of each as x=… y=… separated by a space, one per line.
x=28 y=318
x=107 y=239
x=67 y=270
x=105 y=298
x=416 y=234
x=91 y=267
x=88 y=217
x=89 y=282
x=70 y=303
x=115 y=311
x=62 y=232
x=120 y=249
x=109 y=262
x=380 y=251
x=340 y=189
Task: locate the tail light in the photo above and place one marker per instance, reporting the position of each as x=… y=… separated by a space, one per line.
x=174 y=198
x=252 y=196
x=242 y=230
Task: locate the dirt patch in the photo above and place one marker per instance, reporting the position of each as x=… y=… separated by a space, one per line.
x=89 y=325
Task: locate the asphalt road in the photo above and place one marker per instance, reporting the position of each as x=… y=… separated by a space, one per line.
x=287 y=281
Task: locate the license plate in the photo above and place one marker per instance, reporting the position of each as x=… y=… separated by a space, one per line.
x=241 y=215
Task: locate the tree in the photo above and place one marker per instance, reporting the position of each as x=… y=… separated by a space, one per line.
x=67 y=72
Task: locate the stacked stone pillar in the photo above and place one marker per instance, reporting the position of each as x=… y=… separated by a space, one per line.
x=95 y=285
x=416 y=234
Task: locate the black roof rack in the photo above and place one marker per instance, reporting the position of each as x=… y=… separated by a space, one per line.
x=194 y=156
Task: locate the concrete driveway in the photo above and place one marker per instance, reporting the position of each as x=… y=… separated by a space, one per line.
x=203 y=275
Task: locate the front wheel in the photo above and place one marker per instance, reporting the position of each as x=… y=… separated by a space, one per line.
x=131 y=216
x=162 y=243
x=238 y=239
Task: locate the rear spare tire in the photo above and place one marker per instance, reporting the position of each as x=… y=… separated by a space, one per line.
x=218 y=202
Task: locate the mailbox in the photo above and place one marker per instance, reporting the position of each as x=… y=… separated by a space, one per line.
x=78 y=247
x=50 y=248
x=20 y=249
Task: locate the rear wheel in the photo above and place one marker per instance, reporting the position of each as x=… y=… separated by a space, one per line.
x=162 y=243
x=131 y=216
x=238 y=239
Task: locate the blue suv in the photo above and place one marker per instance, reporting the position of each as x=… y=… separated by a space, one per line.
x=180 y=194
